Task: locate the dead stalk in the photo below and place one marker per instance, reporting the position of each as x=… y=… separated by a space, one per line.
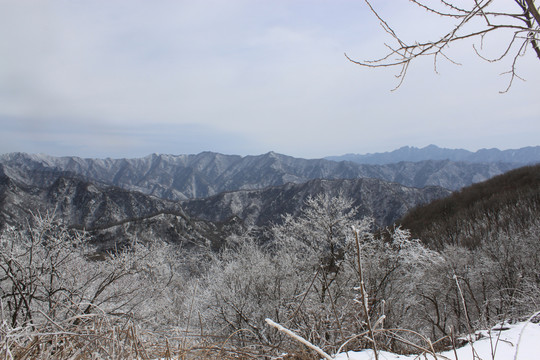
x=364 y=297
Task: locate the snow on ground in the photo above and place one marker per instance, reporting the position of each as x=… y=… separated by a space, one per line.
x=519 y=341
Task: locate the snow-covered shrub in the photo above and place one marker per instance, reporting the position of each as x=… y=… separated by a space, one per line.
x=50 y=271
x=243 y=285
x=306 y=278
x=317 y=247
x=302 y=277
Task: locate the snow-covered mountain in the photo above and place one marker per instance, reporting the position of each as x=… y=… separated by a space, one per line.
x=119 y=199
x=183 y=177
x=111 y=215
x=382 y=200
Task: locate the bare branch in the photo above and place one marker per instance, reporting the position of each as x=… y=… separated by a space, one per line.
x=524 y=24
x=512 y=72
x=531 y=8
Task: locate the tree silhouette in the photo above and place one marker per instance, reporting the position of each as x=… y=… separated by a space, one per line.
x=473 y=19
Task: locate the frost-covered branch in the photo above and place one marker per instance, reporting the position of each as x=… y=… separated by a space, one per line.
x=521 y=20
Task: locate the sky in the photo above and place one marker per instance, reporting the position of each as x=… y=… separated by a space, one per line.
x=113 y=78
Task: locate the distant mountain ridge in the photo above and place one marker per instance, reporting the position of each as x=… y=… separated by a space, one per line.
x=181 y=177
x=526 y=155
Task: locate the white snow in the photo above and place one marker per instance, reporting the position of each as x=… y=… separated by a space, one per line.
x=520 y=341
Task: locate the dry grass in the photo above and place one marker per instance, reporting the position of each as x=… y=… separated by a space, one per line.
x=100 y=336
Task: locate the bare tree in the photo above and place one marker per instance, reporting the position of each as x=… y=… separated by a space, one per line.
x=47 y=271
x=320 y=235
x=473 y=20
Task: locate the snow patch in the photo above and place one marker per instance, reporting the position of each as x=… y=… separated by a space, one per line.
x=519 y=341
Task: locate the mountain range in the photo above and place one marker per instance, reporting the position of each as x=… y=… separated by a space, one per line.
x=181 y=177
x=198 y=200
x=112 y=216
x=526 y=155
x=382 y=200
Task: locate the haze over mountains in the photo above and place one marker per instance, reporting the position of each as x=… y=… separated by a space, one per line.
x=526 y=155
x=194 y=199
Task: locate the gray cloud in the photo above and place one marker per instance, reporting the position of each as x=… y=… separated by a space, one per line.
x=114 y=78
x=109 y=140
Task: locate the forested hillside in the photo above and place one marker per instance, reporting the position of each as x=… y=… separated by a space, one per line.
x=508 y=203
x=180 y=286
x=384 y=201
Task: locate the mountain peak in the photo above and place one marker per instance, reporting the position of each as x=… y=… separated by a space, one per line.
x=527 y=155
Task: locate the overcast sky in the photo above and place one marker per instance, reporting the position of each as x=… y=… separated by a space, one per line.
x=128 y=78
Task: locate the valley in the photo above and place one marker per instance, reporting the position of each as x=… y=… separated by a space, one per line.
x=238 y=239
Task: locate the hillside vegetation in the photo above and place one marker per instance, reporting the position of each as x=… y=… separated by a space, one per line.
x=471 y=260
x=508 y=203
